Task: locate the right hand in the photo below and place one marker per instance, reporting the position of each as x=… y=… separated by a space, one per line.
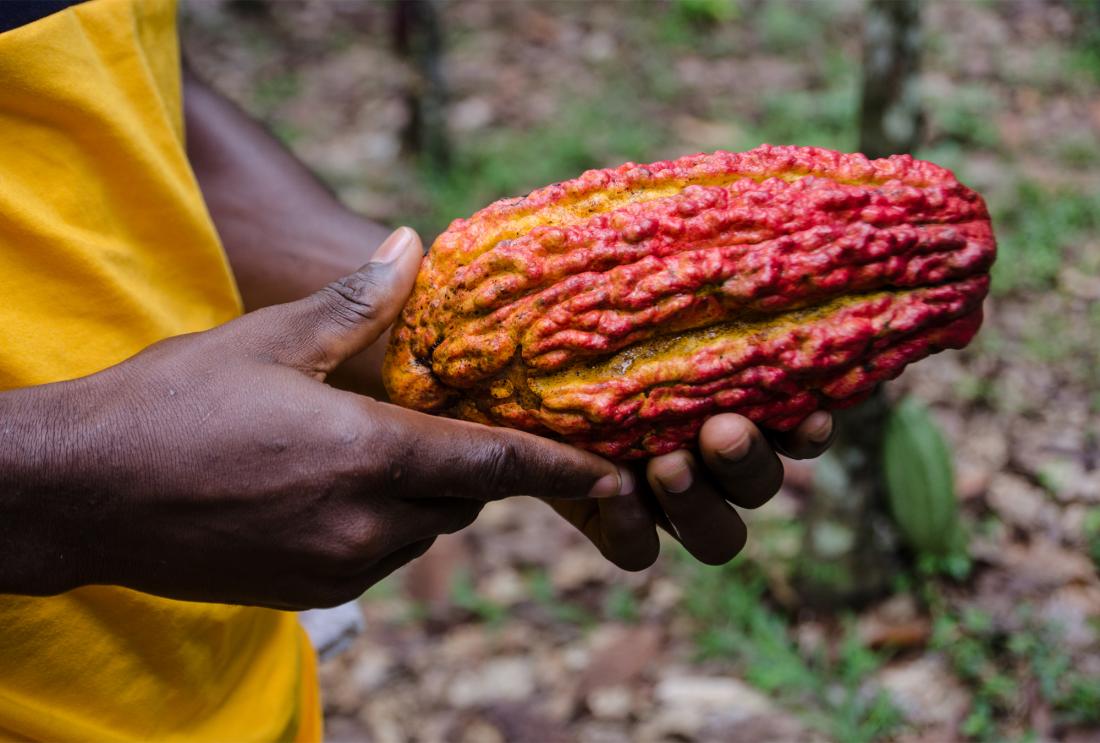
x=218 y=467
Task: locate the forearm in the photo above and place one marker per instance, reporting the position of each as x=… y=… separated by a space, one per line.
x=284 y=232
x=46 y=496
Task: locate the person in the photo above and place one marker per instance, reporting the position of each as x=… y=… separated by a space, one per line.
x=193 y=437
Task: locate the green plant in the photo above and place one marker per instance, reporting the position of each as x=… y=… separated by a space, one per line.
x=584 y=134
x=464 y=595
x=559 y=610
x=708 y=12
x=621 y=604
x=920 y=481
x=1092 y=534
x=788 y=25
x=966 y=115
x=1035 y=225
x=1086 y=50
x=736 y=625
x=1000 y=658
x=276 y=89
x=1077 y=151
x=821 y=118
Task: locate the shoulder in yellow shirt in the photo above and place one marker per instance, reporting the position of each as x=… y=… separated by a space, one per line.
x=105 y=248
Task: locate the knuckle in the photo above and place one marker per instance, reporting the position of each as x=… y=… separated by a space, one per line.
x=627 y=521
x=346 y=428
x=352 y=546
x=632 y=524
x=353 y=299
x=498 y=466
x=343 y=554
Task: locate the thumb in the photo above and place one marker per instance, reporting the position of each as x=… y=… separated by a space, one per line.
x=337 y=322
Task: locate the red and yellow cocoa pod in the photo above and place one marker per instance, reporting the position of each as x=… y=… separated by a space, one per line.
x=618 y=310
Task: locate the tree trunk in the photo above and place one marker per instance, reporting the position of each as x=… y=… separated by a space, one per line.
x=418 y=33
x=890 y=119
x=849 y=553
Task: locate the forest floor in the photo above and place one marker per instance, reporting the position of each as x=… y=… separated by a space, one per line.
x=516 y=629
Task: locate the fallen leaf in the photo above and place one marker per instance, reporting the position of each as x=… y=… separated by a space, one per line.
x=623 y=657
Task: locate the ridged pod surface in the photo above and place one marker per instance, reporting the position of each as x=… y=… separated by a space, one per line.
x=618 y=310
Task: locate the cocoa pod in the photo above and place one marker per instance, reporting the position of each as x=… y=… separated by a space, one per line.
x=618 y=310
x=920 y=481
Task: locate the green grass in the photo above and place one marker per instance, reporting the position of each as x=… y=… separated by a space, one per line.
x=1077 y=151
x=1035 y=225
x=1092 y=534
x=621 y=604
x=1046 y=338
x=556 y=608
x=682 y=25
x=626 y=122
x=997 y=659
x=825 y=118
x=999 y=665
x=1085 y=58
x=540 y=592
x=464 y=595
x=707 y=12
x=736 y=625
x=789 y=26
x=966 y=116
x=278 y=88
x=1085 y=55
x=586 y=134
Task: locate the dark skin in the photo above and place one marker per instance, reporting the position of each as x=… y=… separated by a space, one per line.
x=285 y=233
x=220 y=466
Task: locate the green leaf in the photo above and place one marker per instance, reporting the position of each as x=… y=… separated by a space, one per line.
x=920 y=480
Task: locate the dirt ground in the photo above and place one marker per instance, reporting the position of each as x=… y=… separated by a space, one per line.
x=516 y=630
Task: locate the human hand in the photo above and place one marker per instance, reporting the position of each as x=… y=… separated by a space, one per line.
x=218 y=467
x=691 y=500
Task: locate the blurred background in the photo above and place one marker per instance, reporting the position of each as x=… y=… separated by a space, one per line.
x=934 y=578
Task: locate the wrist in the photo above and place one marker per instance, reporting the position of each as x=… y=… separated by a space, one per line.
x=51 y=505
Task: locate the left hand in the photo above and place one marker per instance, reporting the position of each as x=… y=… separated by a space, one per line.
x=691 y=499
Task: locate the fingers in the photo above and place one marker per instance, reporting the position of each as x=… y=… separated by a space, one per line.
x=442 y=458
x=707 y=526
x=740 y=459
x=317 y=333
x=628 y=532
x=810 y=439
x=622 y=528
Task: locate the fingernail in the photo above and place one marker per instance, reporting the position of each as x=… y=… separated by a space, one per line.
x=626 y=481
x=738 y=448
x=394 y=245
x=609 y=486
x=677 y=479
x=819 y=426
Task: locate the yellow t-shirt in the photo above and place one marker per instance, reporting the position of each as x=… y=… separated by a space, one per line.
x=105 y=247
